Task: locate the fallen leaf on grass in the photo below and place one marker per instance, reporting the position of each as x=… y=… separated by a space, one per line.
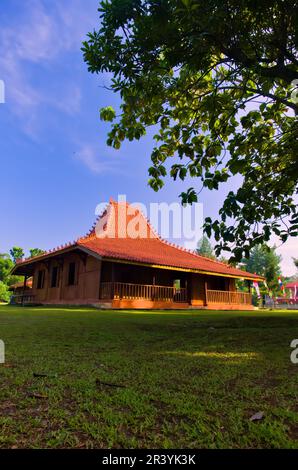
x=257 y=416
x=107 y=384
x=37 y=395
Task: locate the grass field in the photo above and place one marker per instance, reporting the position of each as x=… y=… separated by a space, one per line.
x=150 y=380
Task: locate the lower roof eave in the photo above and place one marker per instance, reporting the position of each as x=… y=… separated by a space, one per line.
x=184 y=269
x=26 y=267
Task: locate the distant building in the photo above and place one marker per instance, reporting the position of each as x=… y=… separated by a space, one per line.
x=293 y=288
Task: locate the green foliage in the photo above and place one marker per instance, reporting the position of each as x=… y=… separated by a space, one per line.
x=107 y=114
x=4 y=292
x=6 y=264
x=16 y=253
x=205 y=248
x=216 y=79
x=263 y=260
x=36 y=252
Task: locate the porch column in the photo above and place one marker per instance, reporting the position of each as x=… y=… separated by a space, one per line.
x=113 y=281
x=24 y=288
x=61 y=278
x=206 y=292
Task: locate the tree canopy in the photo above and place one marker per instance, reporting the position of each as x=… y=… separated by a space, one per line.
x=6 y=264
x=217 y=80
x=16 y=253
x=204 y=248
x=36 y=252
x=263 y=260
x=4 y=292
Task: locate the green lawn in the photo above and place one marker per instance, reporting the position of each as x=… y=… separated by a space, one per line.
x=185 y=379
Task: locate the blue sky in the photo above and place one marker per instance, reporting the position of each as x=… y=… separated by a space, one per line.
x=55 y=164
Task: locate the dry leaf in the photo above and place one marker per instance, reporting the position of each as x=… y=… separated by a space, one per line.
x=37 y=395
x=257 y=416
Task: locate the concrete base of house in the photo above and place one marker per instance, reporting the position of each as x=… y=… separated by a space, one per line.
x=141 y=304
x=213 y=306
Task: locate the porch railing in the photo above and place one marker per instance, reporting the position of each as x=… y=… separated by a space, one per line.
x=123 y=290
x=227 y=297
x=21 y=299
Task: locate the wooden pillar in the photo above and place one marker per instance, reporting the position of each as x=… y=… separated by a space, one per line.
x=24 y=288
x=206 y=292
x=153 y=289
x=113 y=281
x=48 y=279
x=100 y=273
x=61 y=278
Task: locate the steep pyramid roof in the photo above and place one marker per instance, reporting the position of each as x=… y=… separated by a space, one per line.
x=122 y=232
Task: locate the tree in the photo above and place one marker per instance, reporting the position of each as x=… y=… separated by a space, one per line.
x=4 y=292
x=16 y=253
x=205 y=248
x=6 y=265
x=264 y=261
x=216 y=78
x=36 y=252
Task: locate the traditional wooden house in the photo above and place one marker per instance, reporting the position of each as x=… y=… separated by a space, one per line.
x=123 y=263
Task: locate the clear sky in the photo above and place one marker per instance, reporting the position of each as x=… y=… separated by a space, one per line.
x=55 y=165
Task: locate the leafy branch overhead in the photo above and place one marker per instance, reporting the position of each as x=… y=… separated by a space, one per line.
x=216 y=79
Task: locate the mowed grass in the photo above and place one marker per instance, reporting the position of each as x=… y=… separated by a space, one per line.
x=147 y=380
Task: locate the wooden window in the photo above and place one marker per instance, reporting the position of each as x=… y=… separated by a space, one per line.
x=55 y=276
x=40 y=279
x=72 y=274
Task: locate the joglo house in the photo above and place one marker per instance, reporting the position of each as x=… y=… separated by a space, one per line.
x=109 y=269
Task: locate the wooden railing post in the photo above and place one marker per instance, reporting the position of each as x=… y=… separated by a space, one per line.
x=206 y=293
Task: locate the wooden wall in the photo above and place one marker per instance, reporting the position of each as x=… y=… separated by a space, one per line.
x=87 y=282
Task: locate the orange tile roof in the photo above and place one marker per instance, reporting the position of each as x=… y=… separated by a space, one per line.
x=109 y=239
x=29 y=284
